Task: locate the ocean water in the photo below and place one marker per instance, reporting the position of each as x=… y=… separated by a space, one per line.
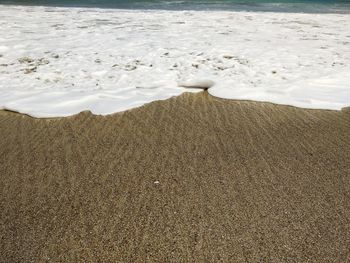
x=308 y=6
x=59 y=61
x=111 y=56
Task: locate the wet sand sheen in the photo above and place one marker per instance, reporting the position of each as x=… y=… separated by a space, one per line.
x=190 y=179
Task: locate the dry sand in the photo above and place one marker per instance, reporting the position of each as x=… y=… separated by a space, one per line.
x=190 y=179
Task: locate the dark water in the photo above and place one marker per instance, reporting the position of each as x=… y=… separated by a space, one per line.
x=308 y=6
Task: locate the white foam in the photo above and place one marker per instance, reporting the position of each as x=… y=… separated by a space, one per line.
x=197 y=83
x=60 y=61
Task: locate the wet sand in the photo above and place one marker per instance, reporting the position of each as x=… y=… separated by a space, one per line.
x=190 y=179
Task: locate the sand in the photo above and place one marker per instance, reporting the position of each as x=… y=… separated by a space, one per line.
x=190 y=179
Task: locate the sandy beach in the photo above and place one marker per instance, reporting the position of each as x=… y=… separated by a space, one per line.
x=190 y=179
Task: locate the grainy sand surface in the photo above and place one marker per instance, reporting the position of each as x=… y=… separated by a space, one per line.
x=190 y=179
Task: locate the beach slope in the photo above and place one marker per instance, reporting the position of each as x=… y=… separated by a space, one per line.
x=190 y=179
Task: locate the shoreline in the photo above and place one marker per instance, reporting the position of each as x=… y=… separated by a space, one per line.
x=203 y=93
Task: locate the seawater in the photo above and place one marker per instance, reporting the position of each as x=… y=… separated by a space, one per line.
x=302 y=6
x=59 y=61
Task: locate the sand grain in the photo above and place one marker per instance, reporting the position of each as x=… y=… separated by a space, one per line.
x=237 y=182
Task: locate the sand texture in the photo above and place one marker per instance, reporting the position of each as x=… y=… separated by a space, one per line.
x=190 y=179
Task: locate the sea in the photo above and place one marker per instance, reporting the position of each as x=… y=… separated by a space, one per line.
x=61 y=57
x=302 y=6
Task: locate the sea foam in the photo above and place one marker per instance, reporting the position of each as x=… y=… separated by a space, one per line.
x=61 y=61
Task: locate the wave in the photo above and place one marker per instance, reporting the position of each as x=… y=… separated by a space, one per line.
x=304 y=6
x=61 y=61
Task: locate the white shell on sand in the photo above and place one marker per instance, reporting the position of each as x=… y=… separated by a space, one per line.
x=198 y=84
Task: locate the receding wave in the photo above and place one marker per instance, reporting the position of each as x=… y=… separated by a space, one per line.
x=60 y=61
